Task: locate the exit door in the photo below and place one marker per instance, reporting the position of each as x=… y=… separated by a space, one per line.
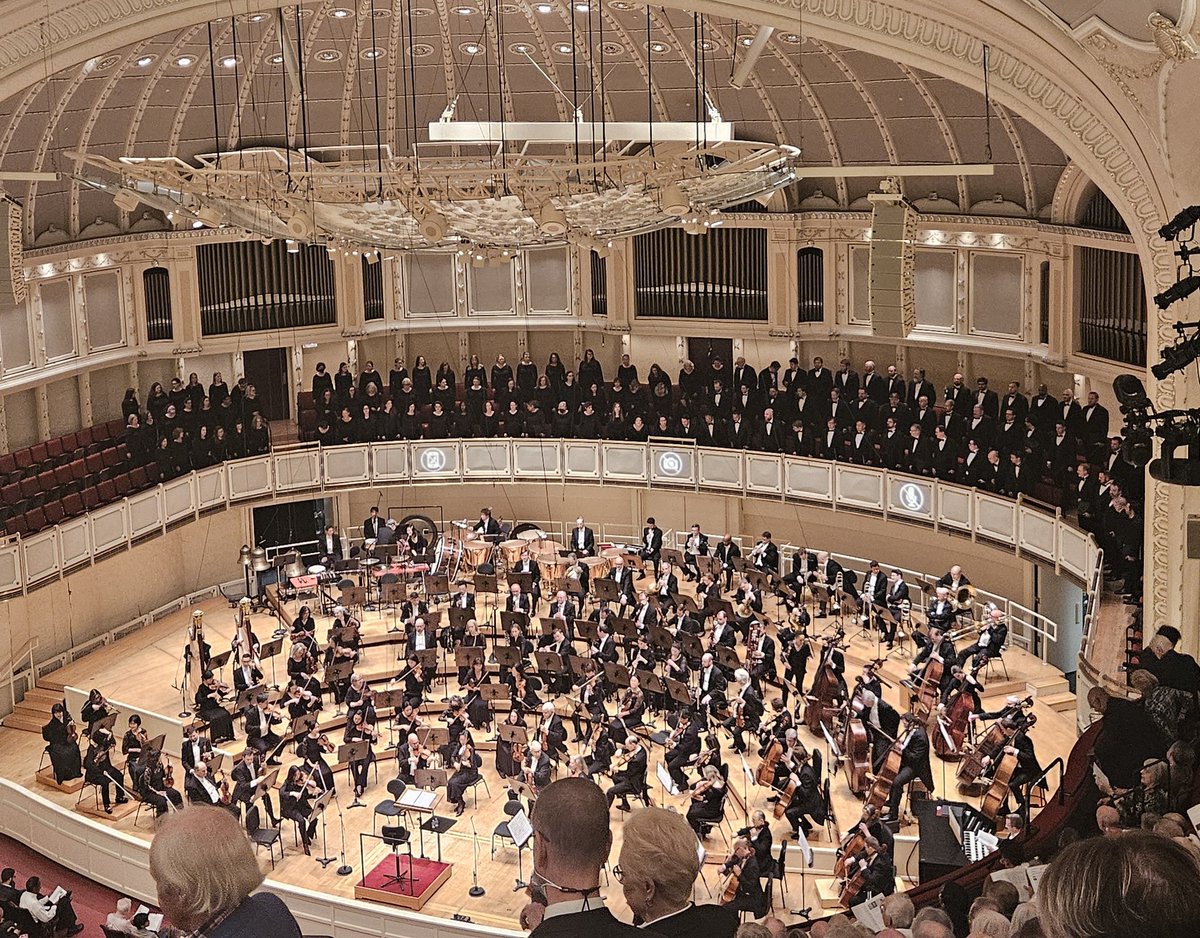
x=267 y=370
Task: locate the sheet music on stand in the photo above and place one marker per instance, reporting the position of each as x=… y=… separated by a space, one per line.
x=520 y=829
x=664 y=778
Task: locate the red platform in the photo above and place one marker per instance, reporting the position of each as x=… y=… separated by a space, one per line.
x=427 y=878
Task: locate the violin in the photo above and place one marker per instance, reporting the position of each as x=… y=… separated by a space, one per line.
x=168 y=775
x=325 y=744
x=700 y=789
x=72 y=731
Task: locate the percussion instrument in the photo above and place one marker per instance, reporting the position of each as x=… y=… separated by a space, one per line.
x=316 y=569
x=447 y=556
x=369 y=544
x=303 y=582
x=611 y=553
x=597 y=567
x=295 y=566
x=553 y=566
x=477 y=552
x=512 y=551
x=551 y=546
x=532 y=539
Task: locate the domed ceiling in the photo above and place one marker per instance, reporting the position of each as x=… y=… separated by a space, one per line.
x=397 y=67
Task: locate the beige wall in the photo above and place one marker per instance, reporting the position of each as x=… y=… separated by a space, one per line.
x=123 y=586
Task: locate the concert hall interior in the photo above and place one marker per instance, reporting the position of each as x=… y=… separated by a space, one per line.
x=769 y=424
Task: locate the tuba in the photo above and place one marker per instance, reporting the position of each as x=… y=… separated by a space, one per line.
x=964 y=598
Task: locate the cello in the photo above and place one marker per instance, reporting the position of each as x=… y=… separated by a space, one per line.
x=997 y=792
x=766 y=768
x=855 y=882
x=856 y=751
x=928 y=688
x=955 y=720
x=825 y=689
x=881 y=788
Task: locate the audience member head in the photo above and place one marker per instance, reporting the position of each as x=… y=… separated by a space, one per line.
x=195 y=885
x=752 y=930
x=932 y=923
x=571 y=838
x=1005 y=895
x=989 y=923
x=898 y=911
x=1108 y=819
x=1135 y=884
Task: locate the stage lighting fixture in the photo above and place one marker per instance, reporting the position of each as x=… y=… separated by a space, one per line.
x=1177 y=357
x=1181 y=290
x=1184 y=220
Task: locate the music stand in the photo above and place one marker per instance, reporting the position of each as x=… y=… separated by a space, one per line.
x=392 y=594
x=507 y=656
x=459 y=618
x=678 y=691
x=270 y=650
x=436 y=737
x=301 y=726
x=626 y=628
x=465 y=656
x=575 y=663
x=588 y=630
x=218 y=662
x=247 y=697
x=354 y=596
x=727 y=658
x=616 y=674
x=437 y=584
x=691 y=644
x=430 y=779
x=605 y=589
x=354 y=752
x=672 y=556
x=507 y=619
x=339 y=671
x=651 y=682
x=485 y=583
x=318 y=809
x=493 y=692
x=660 y=639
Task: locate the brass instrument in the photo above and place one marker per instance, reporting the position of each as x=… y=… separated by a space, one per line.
x=964 y=598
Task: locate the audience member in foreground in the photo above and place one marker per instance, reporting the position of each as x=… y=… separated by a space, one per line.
x=1131 y=885
x=571 y=843
x=56 y=914
x=207 y=891
x=657 y=869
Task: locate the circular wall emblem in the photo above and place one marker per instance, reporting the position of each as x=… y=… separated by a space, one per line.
x=912 y=497
x=670 y=464
x=433 y=460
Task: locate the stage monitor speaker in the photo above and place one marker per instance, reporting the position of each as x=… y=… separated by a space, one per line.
x=892 y=283
x=13 y=288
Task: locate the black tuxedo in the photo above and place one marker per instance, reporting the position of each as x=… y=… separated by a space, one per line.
x=699 y=921
x=959 y=398
x=598 y=922
x=372 y=527
x=588 y=538
x=914 y=763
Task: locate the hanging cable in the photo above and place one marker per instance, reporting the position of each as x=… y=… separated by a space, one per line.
x=987 y=106
x=303 y=93
x=212 y=80
x=574 y=84
x=649 y=82
x=412 y=88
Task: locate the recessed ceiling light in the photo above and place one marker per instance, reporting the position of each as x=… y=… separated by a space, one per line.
x=277 y=58
x=581 y=8
x=420 y=50
x=521 y=48
x=145 y=61
x=544 y=8
x=612 y=48
x=257 y=17
x=621 y=5
x=197 y=223
x=373 y=53
x=791 y=38
x=328 y=55
x=464 y=11
x=658 y=47
x=229 y=61
x=707 y=45
x=564 y=48
x=340 y=14
x=471 y=48
x=745 y=40
x=185 y=61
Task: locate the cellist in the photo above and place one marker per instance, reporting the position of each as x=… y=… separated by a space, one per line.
x=936 y=655
x=871 y=873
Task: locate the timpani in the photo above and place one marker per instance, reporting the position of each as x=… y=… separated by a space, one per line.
x=512 y=552
x=597 y=567
x=553 y=566
x=534 y=540
x=477 y=553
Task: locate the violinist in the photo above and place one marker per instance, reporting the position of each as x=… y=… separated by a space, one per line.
x=629 y=773
x=577 y=767
x=247 y=674
x=746 y=710
x=806 y=805
x=509 y=755
x=300 y=663
x=590 y=693
x=94 y=709
x=201 y=789
x=748 y=896
x=551 y=732
x=359 y=731
x=707 y=801
x=132 y=742
x=301 y=700
x=196 y=748
x=99 y=770
x=312 y=749
x=210 y=710
x=471 y=639
x=63 y=737
x=600 y=756
x=247 y=775
x=158 y=786
x=411 y=757
x=259 y=733
x=682 y=748
x=415 y=680
x=630 y=711
x=914 y=761
x=456 y=724
x=759 y=835
x=408 y=720
x=535 y=769
x=524 y=687
x=412 y=609
x=356 y=693
x=479 y=713
x=466 y=771
x=296 y=804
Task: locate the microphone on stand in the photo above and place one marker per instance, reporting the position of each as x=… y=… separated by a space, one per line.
x=476 y=890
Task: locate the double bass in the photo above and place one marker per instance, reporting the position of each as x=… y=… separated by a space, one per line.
x=954 y=722
x=997 y=792
x=825 y=689
x=881 y=788
x=766 y=769
x=856 y=755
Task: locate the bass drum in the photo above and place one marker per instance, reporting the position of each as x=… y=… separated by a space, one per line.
x=447 y=557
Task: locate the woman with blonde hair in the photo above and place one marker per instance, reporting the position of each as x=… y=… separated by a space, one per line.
x=205 y=870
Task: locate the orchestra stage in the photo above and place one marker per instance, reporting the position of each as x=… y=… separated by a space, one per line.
x=140 y=668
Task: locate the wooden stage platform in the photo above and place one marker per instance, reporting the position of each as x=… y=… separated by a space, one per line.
x=141 y=667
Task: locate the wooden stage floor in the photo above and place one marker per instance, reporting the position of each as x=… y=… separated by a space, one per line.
x=140 y=668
